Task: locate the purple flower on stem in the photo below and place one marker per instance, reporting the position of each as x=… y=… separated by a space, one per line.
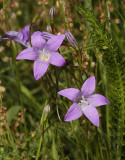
x=71 y=39
x=52 y=12
x=43 y=53
x=84 y=101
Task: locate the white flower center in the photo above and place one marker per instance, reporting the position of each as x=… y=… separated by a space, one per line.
x=43 y=55
x=82 y=102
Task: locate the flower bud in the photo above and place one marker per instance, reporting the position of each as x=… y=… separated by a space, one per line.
x=48 y=28
x=71 y=39
x=47 y=110
x=52 y=12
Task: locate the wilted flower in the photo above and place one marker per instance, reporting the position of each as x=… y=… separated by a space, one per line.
x=43 y=53
x=22 y=36
x=71 y=39
x=84 y=101
x=52 y=12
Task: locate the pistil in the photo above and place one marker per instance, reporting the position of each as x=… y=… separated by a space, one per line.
x=82 y=102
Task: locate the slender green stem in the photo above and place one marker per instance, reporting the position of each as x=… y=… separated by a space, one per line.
x=79 y=19
x=42 y=123
x=108 y=15
x=4 y=9
x=40 y=144
x=82 y=49
x=63 y=14
x=57 y=79
x=57 y=141
x=61 y=147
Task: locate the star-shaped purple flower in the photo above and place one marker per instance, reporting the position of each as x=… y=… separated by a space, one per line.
x=43 y=53
x=84 y=101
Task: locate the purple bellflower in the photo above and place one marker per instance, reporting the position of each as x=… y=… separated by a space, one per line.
x=22 y=36
x=84 y=102
x=43 y=53
x=71 y=39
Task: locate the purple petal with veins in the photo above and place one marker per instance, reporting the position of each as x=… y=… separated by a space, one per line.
x=92 y=114
x=70 y=93
x=40 y=69
x=37 y=40
x=54 y=43
x=58 y=61
x=97 y=100
x=28 y=53
x=73 y=113
x=88 y=87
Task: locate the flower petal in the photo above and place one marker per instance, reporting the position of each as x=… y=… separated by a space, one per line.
x=37 y=40
x=28 y=53
x=70 y=93
x=25 y=34
x=92 y=114
x=57 y=59
x=2 y=39
x=40 y=69
x=27 y=27
x=88 y=87
x=54 y=43
x=13 y=35
x=97 y=100
x=73 y=113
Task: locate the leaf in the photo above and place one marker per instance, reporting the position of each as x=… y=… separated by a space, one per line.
x=28 y=95
x=11 y=113
x=54 y=150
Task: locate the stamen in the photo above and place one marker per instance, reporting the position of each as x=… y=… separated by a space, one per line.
x=43 y=55
x=82 y=102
